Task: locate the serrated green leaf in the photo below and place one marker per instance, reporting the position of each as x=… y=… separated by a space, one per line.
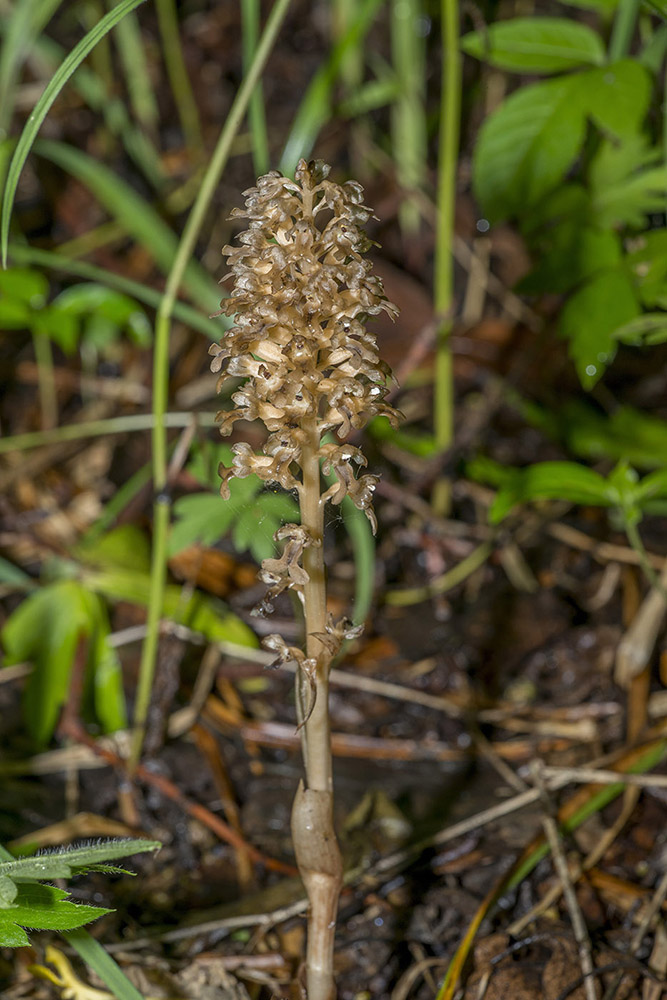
x=64 y=862
x=525 y=147
x=202 y=518
x=535 y=45
x=590 y=318
x=8 y=890
x=551 y=481
x=43 y=907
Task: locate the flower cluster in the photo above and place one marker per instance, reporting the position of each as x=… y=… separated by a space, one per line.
x=302 y=294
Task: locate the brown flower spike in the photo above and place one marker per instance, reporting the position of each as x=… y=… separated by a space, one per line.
x=302 y=294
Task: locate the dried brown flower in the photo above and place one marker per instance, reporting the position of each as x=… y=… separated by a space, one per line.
x=302 y=294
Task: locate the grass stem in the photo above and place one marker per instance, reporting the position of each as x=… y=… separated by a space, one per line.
x=450 y=108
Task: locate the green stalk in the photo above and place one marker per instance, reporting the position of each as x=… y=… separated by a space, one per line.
x=186 y=248
x=101 y=428
x=48 y=399
x=450 y=109
x=250 y=14
x=623 y=29
x=179 y=80
x=408 y=123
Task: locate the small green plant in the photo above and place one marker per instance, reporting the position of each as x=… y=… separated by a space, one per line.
x=252 y=516
x=26 y=902
x=303 y=292
x=576 y=161
x=68 y=617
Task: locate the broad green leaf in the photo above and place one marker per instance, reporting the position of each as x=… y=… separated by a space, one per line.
x=616 y=97
x=535 y=45
x=106 y=676
x=136 y=215
x=14 y=576
x=652 y=55
x=43 y=907
x=198 y=612
x=14 y=314
x=26 y=285
x=567 y=249
x=551 y=481
x=525 y=147
x=590 y=318
x=41 y=109
x=61 y=328
x=46 y=628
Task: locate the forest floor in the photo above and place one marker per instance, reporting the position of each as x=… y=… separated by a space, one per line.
x=463 y=720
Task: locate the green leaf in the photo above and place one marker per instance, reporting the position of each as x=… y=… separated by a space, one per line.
x=647 y=262
x=525 y=147
x=551 y=481
x=590 y=318
x=61 y=328
x=15 y=315
x=202 y=518
x=125 y=547
x=566 y=247
x=46 y=628
x=66 y=862
x=41 y=109
x=651 y=487
x=616 y=97
x=101 y=962
x=186 y=314
x=624 y=191
x=535 y=45
x=648 y=329
x=26 y=285
x=43 y=907
x=119 y=312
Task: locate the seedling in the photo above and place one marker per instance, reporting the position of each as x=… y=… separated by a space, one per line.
x=25 y=902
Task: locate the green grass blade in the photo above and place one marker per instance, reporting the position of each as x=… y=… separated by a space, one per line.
x=408 y=119
x=138 y=218
x=52 y=261
x=256 y=116
x=101 y=962
x=181 y=88
x=315 y=107
x=23 y=25
x=135 y=67
x=41 y=109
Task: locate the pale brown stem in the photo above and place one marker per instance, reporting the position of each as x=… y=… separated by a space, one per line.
x=316 y=848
